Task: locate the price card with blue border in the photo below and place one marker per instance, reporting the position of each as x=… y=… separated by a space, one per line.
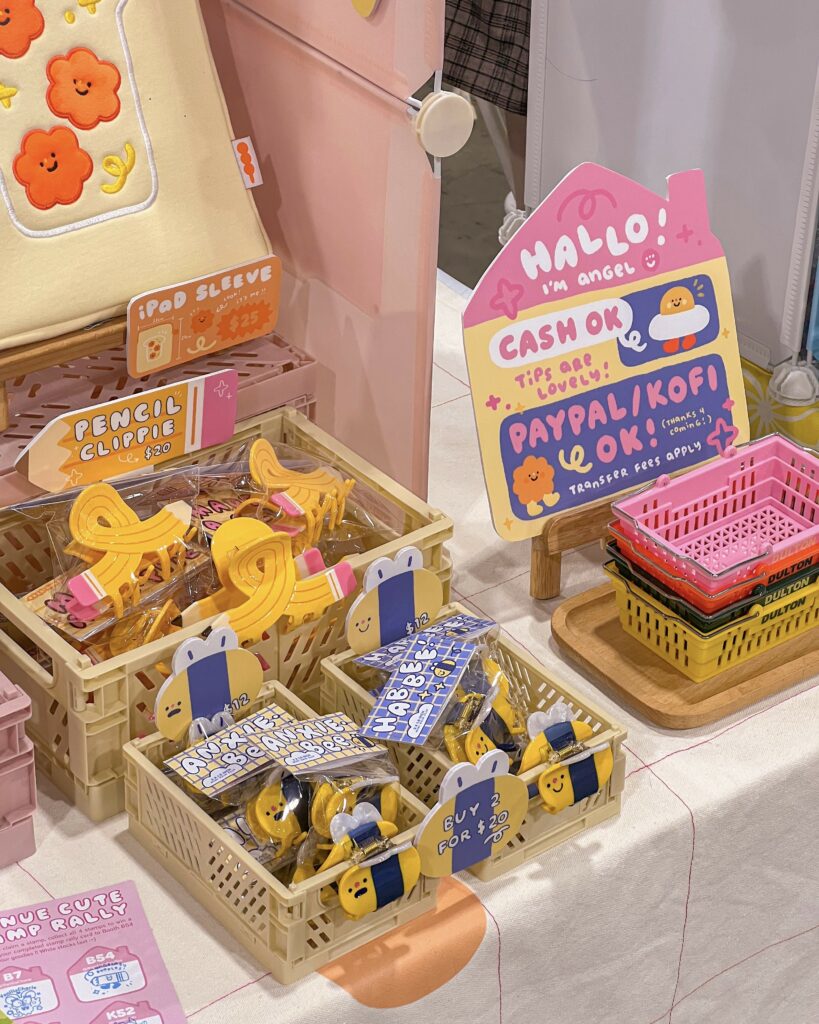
x=418 y=691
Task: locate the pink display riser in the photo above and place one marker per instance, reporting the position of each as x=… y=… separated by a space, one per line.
x=15 y=710
x=17 y=841
x=271 y=374
x=753 y=507
x=18 y=791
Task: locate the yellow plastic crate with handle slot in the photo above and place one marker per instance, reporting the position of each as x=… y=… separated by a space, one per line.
x=83 y=714
x=290 y=930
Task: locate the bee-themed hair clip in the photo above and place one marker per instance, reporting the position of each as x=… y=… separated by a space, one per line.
x=280 y=813
x=575 y=770
x=381 y=872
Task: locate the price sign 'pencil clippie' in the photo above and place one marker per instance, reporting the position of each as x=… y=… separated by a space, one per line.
x=602 y=353
x=138 y=432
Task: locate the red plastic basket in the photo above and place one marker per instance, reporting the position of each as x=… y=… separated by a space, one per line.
x=708 y=604
x=750 y=517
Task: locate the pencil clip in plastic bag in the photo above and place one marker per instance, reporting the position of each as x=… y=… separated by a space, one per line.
x=319 y=491
x=380 y=871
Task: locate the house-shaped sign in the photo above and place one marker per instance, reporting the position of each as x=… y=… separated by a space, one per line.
x=602 y=348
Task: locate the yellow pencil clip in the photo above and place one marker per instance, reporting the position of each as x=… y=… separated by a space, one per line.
x=297 y=491
x=265 y=573
x=100 y=520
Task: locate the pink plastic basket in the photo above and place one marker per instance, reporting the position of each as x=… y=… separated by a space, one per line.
x=752 y=513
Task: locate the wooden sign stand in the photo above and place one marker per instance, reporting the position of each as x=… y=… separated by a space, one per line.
x=41 y=355
x=561 y=533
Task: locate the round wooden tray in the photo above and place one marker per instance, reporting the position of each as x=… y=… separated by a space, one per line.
x=587 y=628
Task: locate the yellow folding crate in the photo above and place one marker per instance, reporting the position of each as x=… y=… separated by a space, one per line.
x=82 y=713
x=291 y=930
x=422 y=769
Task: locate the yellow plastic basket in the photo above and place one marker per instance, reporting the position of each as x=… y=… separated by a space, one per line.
x=702 y=655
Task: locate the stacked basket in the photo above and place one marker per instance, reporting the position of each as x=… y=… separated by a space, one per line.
x=722 y=562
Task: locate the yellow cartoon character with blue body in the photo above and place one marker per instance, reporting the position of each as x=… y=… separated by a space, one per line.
x=279 y=813
x=399 y=597
x=575 y=770
x=214 y=683
x=551 y=732
x=578 y=777
x=384 y=873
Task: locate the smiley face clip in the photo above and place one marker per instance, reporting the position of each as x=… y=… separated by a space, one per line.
x=574 y=769
x=381 y=871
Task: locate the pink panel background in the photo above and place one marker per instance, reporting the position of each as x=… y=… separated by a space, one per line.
x=398 y=48
x=351 y=205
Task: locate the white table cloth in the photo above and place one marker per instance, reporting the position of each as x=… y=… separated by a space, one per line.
x=699 y=903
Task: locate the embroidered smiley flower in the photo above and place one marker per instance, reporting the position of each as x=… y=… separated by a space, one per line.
x=20 y=24
x=83 y=88
x=52 y=167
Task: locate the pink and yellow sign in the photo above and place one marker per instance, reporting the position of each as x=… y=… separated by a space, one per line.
x=105 y=441
x=602 y=347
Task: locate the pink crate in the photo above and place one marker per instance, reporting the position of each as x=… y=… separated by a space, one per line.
x=18 y=796
x=15 y=710
x=271 y=374
x=753 y=512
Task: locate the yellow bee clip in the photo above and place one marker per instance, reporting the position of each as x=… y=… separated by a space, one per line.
x=554 y=736
x=381 y=873
x=578 y=777
x=280 y=813
x=332 y=798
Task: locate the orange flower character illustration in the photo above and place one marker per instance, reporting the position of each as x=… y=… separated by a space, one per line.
x=52 y=167
x=201 y=320
x=20 y=24
x=533 y=483
x=83 y=88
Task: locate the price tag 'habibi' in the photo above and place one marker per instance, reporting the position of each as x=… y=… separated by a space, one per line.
x=108 y=440
x=173 y=325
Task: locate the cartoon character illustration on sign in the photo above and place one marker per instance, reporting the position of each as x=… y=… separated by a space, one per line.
x=680 y=318
x=214 y=681
x=534 y=483
x=399 y=597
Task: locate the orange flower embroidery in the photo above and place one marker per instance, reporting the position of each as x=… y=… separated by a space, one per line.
x=20 y=24
x=83 y=88
x=52 y=167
